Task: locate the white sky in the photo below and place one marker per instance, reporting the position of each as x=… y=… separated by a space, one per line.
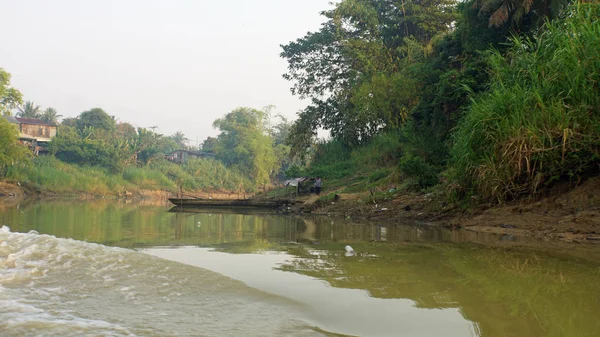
x=175 y=64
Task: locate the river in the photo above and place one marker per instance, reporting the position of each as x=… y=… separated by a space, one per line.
x=107 y=268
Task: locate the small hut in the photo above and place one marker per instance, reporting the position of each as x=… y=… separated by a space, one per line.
x=182 y=156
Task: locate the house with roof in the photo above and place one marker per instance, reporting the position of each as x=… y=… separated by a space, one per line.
x=182 y=156
x=34 y=133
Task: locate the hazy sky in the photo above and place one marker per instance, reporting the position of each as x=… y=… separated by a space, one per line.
x=175 y=64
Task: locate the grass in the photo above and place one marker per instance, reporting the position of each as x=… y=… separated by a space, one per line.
x=540 y=120
x=48 y=174
x=51 y=175
x=351 y=171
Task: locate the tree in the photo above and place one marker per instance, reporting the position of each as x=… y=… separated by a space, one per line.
x=95 y=118
x=50 y=116
x=70 y=121
x=208 y=145
x=180 y=139
x=125 y=131
x=517 y=12
x=245 y=144
x=11 y=152
x=74 y=146
x=10 y=97
x=281 y=130
x=357 y=69
x=29 y=110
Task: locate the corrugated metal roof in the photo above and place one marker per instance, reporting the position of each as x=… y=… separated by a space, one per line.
x=33 y=121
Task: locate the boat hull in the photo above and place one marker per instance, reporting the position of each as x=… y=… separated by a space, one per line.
x=229 y=203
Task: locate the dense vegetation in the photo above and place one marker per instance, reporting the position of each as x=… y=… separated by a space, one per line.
x=498 y=99
x=93 y=153
x=491 y=98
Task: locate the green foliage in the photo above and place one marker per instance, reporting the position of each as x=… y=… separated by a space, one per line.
x=203 y=174
x=208 y=145
x=330 y=152
x=519 y=13
x=416 y=167
x=540 y=120
x=70 y=147
x=10 y=97
x=245 y=144
x=11 y=152
x=50 y=116
x=29 y=110
x=337 y=170
x=360 y=61
x=179 y=139
x=50 y=174
x=383 y=151
x=295 y=171
x=97 y=119
x=379 y=175
x=334 y=160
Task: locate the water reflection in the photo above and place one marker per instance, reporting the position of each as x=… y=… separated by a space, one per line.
x=505 y=290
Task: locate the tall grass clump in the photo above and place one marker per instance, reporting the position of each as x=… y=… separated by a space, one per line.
x=331 y=160
x=203 y=174
x=52 y=175
x=330 y=152
x=384 y=150
x=148 y=178
x=540 y=120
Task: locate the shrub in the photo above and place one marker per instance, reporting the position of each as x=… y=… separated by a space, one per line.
x=540 y=120
x=415 y=167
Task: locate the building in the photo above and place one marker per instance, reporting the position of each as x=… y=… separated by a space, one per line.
x=34 y=133
x=182 y=156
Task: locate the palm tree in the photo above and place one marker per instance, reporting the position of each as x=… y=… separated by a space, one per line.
x=501 y=11
x=29 y=110
x=179 y=138
x=50 y=116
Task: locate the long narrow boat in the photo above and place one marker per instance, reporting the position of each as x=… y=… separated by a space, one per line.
x=229 y=202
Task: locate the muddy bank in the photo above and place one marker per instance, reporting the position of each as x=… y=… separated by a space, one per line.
x=10 y=194
x=568 y=215
x=13 y=193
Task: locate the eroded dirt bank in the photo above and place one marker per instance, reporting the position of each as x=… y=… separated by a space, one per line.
x=12 y=194
x=571 y=215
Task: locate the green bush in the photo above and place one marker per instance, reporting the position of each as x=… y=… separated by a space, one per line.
x=333 y=171
x=379 y=174
x=295 y=172
x=415 y=167
x=330 y=152
x=383 y=150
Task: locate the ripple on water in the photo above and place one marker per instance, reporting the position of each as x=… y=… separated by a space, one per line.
x=63 y=287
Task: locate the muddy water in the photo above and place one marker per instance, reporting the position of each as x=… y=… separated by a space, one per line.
x=110 y=269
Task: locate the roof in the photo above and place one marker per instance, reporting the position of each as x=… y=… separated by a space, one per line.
x=33 y=121
x=12 y=119
x=197 y=153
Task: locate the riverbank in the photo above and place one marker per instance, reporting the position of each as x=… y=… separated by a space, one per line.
x=571 y=215
x=11 y=194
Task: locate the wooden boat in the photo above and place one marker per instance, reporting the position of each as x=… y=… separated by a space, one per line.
x=191 y=202
x=227 y=210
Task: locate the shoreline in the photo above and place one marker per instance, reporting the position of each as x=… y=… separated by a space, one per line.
x=568 y=215
x=571 y=216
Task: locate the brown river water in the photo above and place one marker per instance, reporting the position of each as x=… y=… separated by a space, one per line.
x=104 y=268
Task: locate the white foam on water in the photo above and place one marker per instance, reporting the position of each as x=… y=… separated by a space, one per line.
x=63 y=287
